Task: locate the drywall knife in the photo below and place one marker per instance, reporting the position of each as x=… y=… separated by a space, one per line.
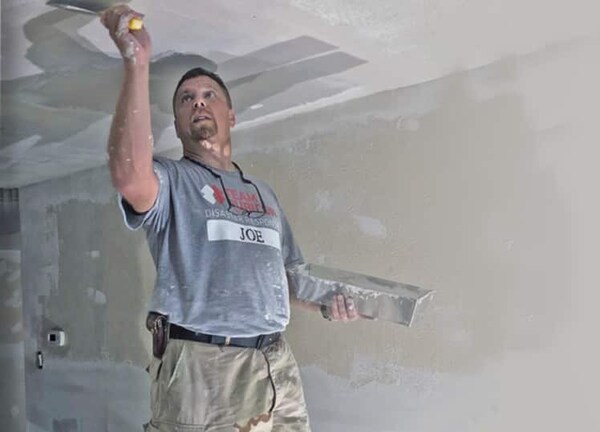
x=91 y=7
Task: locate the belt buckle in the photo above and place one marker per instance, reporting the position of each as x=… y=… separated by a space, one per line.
x=216 y=340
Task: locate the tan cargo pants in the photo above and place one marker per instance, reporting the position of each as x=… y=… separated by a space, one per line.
x=198 y=387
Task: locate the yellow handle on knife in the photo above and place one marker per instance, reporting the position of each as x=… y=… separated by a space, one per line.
x=135 y=24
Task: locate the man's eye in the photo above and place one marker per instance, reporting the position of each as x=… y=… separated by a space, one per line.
x=209 y=94
x=186 y=98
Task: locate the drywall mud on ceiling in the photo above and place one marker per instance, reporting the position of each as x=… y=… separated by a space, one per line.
x=61 y=72
x=73 y=94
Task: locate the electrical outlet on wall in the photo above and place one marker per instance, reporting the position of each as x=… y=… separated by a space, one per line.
x=57 y=338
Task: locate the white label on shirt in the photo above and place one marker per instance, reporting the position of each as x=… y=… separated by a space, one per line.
x=226 y=230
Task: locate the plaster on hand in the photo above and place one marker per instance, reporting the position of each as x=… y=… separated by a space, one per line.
x=129 y=52
x=124 y=33
x=123 y=27
x=350 y=304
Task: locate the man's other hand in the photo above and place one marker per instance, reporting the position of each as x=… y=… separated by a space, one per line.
x=342 y=308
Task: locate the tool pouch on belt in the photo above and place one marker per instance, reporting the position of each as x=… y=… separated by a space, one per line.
x=158 y=325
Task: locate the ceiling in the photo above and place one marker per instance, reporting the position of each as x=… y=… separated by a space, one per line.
x=61 y=73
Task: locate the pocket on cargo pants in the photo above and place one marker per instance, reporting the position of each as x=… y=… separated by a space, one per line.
x=204 y=387
x=154 y=369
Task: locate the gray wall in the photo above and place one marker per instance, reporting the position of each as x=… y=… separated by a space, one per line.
x=480 y=185
x=84 y=274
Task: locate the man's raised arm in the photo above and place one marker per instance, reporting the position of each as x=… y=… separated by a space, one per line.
x=130 y=143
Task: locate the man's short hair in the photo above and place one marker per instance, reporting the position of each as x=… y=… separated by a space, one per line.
x=200 y=71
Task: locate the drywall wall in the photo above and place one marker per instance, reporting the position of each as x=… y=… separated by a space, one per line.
x=12 y=375
x=480 y=185
x=81 y=274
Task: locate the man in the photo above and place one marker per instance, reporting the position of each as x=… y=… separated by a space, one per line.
x=221 y=245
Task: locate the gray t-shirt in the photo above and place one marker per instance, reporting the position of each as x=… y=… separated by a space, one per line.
x=220 y=270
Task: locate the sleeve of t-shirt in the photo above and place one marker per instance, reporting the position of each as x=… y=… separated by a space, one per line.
x=158 y=215
x=292 y=255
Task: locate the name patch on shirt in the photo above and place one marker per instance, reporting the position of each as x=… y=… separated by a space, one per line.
x=226 y=230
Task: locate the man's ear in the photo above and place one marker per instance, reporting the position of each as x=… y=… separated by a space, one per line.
x=176 y=129
x=231 y=118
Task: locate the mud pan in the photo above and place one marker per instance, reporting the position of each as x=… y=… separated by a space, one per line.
x=374 y=297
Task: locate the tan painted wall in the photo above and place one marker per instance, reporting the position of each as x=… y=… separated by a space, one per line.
x=482 y=186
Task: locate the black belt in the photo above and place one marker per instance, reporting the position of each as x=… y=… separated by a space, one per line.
x=258 y=342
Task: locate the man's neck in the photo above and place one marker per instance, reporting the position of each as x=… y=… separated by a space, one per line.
x=211 y=157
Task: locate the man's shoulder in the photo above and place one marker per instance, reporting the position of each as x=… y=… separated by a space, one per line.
x=167 y=162
x=172 y=167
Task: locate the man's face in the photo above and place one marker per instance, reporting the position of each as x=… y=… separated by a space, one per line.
x=201 y=111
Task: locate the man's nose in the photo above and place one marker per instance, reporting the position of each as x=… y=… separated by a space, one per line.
x=199 y=103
